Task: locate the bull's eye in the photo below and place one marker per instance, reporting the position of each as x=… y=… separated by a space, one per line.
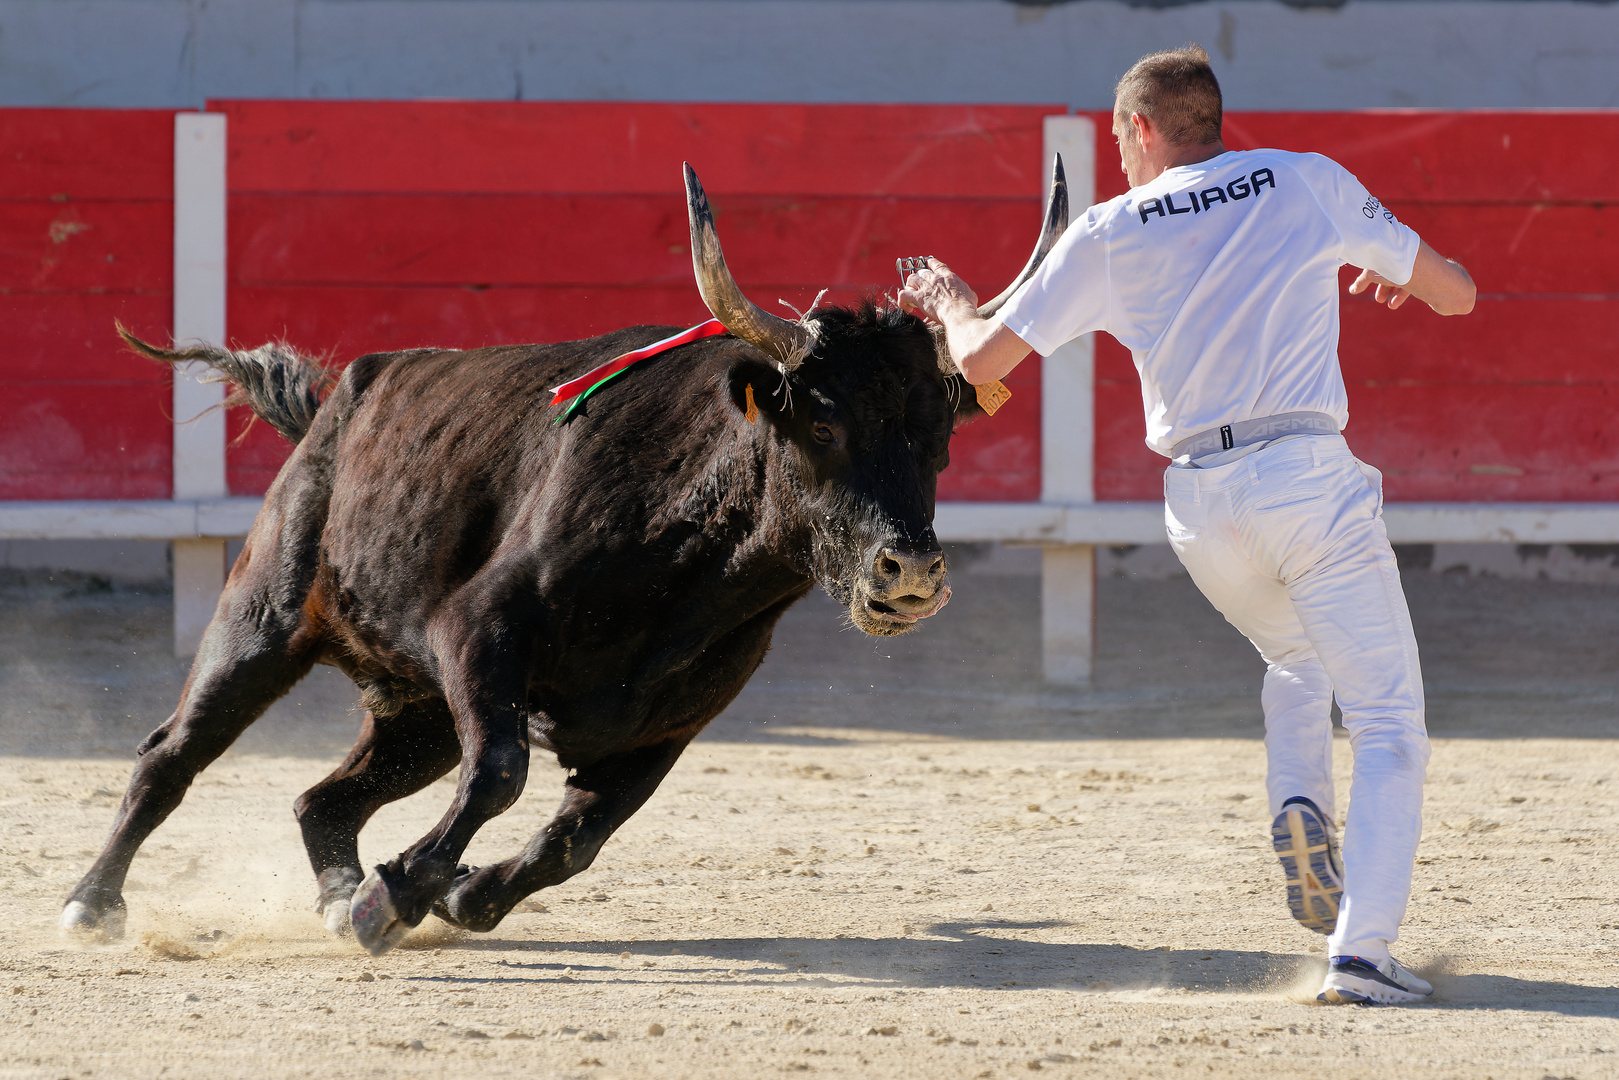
x=823 y=434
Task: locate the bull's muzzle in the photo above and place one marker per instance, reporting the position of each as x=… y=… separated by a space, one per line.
x=902 y=585
x=898 y=573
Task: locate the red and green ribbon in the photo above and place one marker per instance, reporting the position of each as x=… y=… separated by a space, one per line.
x=587 y=384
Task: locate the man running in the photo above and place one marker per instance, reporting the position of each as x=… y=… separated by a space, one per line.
x=1219 y=271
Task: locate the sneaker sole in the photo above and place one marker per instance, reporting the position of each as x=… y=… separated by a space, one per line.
x=1366 y=992
x=1314 y=890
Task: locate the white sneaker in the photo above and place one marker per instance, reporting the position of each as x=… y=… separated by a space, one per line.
x=1354 y=980
x=1302 y=837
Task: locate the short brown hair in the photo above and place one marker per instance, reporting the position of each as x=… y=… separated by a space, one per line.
x=1177 y=91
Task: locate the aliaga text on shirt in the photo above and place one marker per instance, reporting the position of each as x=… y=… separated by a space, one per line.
x=1240 y=188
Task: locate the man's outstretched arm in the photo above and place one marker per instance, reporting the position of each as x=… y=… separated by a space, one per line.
x=1439 y=282
x=984 y=349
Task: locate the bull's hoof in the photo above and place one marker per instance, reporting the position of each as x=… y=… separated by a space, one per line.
x=374 y=917
x=460 y=906
x=90 y=924
x=337 y=887
x=337 y=921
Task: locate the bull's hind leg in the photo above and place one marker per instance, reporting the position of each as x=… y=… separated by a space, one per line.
x=393 y=758
x=598 y=799
x=241 y=667
x=483 y=673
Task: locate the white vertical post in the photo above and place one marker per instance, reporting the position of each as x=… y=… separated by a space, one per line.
x=199 y=314
x=1067 y=446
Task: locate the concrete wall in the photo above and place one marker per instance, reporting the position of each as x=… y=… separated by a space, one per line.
x=1594 y=564
x=132 y=561
x=1269 y=55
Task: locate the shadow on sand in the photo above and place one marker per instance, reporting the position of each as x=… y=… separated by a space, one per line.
x=974 y=955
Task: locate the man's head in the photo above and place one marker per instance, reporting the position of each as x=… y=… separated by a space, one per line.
x=1166 y=109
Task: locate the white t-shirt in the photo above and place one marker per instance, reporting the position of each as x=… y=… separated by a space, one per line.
x=1222 y=280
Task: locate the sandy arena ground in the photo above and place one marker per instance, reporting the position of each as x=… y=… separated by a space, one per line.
x=897 y=858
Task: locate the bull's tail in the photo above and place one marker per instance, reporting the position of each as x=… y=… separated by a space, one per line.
x=280 y=386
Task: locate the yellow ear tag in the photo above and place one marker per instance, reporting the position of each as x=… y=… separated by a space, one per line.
x=752 y=413
x=991 y=396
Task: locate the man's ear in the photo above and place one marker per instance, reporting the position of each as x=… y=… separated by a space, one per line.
x=753 y=387
x=1146 y=131
x=965 y=395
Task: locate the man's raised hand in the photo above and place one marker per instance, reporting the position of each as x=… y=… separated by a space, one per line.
x=931 y=291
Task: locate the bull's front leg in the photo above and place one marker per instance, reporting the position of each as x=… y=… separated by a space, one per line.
x=599 y=797
x=485 y=682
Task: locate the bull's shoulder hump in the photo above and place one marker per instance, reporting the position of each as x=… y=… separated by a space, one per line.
x=364 y=370
x=606 y=346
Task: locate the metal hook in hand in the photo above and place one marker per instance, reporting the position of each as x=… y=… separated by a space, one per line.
x=909 y=265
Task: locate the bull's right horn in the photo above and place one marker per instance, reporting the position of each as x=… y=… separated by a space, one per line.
x=1051 y=231
x=785 y=341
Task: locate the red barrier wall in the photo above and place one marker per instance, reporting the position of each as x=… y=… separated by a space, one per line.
x=364 y=226
x=86 y=237
x=1514 y=402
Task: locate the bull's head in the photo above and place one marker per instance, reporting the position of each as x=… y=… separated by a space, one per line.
x=866 y=400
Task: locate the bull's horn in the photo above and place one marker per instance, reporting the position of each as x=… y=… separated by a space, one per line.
x=1050 y=231
x=787 y=342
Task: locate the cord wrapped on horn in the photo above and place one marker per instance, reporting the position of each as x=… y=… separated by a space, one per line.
x=785 y=341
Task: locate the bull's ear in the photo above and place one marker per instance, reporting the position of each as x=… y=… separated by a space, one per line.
x=753 y=389
x=966 y=398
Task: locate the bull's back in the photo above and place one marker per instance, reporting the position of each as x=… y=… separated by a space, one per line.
x=438 y=456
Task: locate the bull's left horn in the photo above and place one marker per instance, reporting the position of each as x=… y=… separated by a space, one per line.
x=787 y=342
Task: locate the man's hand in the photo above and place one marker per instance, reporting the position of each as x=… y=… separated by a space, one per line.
x=1439 y=282
x=1386 y=292
x=934 y=291
x=983 y=350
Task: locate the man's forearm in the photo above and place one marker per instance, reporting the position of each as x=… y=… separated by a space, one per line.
x=984 y=350
x=1443 y=284
x=1459 y=297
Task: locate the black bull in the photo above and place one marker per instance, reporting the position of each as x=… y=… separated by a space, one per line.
x=602 y=588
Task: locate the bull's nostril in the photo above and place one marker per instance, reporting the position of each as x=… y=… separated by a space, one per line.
x=888 y=566
x=938 y=566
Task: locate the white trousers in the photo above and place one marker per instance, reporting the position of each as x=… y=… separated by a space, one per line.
x=1288 y=543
